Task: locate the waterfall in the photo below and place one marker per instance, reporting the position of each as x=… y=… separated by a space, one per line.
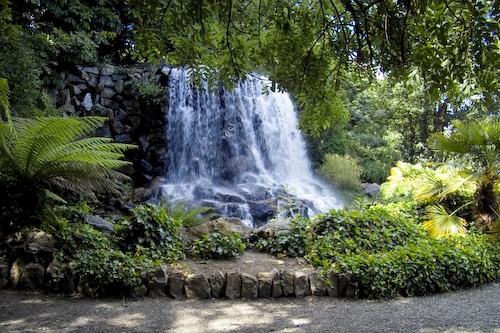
x=239 y=151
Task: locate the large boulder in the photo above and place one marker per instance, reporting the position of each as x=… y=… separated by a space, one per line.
x=262 y=211
x=99 y=223
x=222 y=225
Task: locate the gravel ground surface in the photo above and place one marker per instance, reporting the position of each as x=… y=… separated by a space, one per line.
x=472 y=310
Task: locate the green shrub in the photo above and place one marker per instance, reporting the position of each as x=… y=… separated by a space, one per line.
x=151 y=230
x=91 y=256
x=150 y=92
x=424 y=267
x=216 y=245
x=342 y=171
x=371 y=230
x=293 y=243
x=188 y=216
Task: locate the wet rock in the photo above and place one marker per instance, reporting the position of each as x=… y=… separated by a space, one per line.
x=262 y=212
x=249 y=286
x=197 y=286
x=141 y=194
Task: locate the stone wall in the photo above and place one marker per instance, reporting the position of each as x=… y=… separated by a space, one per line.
x=30 y=267
x=110 y=91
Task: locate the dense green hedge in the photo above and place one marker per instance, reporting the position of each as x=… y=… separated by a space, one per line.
x=425 y=267
x=386 y=252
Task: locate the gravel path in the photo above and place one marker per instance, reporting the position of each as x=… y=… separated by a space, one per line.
x=472 y=310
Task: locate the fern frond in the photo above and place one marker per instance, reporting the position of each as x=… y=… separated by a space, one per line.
x=57 y=152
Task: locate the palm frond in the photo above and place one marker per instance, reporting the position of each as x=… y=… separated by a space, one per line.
x=442 y=182
x=439 y=223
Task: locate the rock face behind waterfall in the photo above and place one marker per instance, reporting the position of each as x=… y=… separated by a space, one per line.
x=239 y=151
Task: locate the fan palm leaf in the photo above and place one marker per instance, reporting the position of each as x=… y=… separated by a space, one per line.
x=439 y=223
x=476 y=145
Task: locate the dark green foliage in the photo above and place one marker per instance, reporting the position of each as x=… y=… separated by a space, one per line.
x=94 y=258
x=79 y=31
x=291 y=243
x=187 y=215
x=22 y=64
x=45 y=158
x=217 y=245
x=425 y=267
x=151 y=92
x=150 y=230
x=370 y=230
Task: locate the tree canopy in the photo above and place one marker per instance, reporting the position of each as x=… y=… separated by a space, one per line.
x=305 y=47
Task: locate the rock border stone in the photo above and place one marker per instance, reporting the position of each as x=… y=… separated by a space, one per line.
x=178 y=284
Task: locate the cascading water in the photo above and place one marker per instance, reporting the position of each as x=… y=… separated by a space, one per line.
x=239 y=151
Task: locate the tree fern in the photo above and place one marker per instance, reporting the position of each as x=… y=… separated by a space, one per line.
x=54 y=154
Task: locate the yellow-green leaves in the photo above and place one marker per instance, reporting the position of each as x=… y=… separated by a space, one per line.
x=439 y=223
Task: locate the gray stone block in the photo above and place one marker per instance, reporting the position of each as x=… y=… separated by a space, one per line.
x=197 y=286
x=318 y=287
x=233 y=286
x=249 y=286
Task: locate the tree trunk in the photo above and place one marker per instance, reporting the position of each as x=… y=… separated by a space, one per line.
x=486 y=209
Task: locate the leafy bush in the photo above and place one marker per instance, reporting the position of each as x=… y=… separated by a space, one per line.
x=293 y=243
x=92 y=257
x=374 y=229
x=151 y=230
x=341 y=171
x=150 y=92
x=424 y=267
x=217 y=245
x=188 y=216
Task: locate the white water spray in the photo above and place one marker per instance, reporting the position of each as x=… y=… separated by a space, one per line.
x=237 y=150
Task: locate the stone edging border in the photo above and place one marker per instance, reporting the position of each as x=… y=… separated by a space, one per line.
x=177 y=284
